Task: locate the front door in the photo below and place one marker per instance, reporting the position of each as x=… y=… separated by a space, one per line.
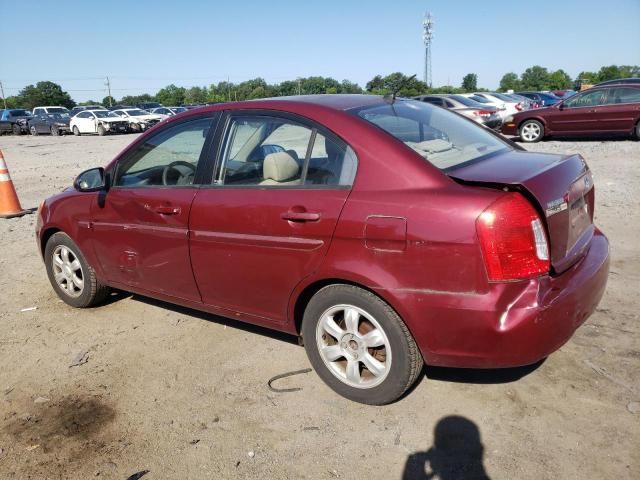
x=267 y=220
x=141 y=224
x=578 y=114
x=86 y=122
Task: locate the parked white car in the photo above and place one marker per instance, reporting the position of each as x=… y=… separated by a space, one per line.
x=50 y=110
x=97 y=121
x=138 y=120
x=168 y=111
x=505 y=105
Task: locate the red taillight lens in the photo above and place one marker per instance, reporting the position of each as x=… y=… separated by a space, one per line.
x=513 y=239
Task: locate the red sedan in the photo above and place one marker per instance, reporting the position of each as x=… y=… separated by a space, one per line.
x=385 y=233
x=613 y=109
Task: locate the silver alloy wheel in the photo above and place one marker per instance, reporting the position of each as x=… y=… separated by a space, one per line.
x=353 y=345
x=530 y=131
x=67 y=271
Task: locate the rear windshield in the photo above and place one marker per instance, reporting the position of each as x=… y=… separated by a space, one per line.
x=502 y=96
x=441 y=137
x=467 y=102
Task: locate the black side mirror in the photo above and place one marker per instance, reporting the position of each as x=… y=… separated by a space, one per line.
x=91 y=180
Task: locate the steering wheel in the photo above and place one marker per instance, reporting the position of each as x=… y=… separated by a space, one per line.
x=186 y=176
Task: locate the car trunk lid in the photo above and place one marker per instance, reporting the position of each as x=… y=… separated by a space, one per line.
x=561 y=188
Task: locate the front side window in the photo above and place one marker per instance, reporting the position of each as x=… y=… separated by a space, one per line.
x=589 y=99
x=275 y=152
x=168 y=158
x=441 y=137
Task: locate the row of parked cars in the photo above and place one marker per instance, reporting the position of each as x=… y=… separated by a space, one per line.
x=58 y=120
x=612 y=107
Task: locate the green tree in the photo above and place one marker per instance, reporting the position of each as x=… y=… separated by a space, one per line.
x=535 y=78
x=559 y=80
x=195 y=95
x=398 y=82
x=610 y=72
x=171 y=95
x=470 y=82
x=510 y=81
x=135 y=99
x=44 y=93
x=108 y=101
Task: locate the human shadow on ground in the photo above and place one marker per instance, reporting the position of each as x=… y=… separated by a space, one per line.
x=457 y=453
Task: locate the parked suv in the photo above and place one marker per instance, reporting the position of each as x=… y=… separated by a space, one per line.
x=15 y=120
x=600 y=110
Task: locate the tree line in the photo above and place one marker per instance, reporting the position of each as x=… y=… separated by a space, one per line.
x=533 y=78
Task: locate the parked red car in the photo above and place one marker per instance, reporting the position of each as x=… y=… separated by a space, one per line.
x=612 y=109
x=384 y=233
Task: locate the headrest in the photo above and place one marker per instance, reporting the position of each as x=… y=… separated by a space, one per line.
x=280 y=166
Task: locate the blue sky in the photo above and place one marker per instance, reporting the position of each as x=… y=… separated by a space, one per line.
x=145 y=45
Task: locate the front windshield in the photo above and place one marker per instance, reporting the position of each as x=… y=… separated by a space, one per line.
x=441 y=137
x=179 y=110
x=58 y=116
x=104 y=114
x=136 y=112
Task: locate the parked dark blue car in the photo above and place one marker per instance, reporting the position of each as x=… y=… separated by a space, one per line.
x=541 y=98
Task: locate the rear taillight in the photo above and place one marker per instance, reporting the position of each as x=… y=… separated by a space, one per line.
x=482 y=113
x=513 y=239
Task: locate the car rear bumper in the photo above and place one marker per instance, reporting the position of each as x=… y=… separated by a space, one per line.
x=513 y=324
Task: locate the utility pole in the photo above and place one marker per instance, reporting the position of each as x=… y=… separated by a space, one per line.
x=298 y=86
x=4 y=99
x=108 y=84
x=427 y=38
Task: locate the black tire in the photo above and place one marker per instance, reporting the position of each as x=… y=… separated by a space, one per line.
x=76 y=132
x=637 y=131
x=101 y=131
x=54 y=131
x=33 y=130
x=405 y=361
x=93 y=292
x=16 y=129
x=531 y=131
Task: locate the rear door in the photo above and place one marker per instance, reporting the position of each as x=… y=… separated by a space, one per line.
x=268 y=217
x=141 y=225
x=621 y=109
x=579 y=114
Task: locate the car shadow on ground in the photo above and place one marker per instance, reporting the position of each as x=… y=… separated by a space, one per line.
x=589 y=138
x=237 y=324
x=480 y=376
x=457 y=453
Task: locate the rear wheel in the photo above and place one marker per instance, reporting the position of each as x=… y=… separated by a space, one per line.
x=76 y=132
x=531 y=131
x=71 y=276
x=359 y=346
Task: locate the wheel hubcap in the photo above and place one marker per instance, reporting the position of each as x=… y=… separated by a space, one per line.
x=353 y=345
x=67 y=271
x=530 y=131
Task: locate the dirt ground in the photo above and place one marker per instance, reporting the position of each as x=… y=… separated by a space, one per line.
x=183 y=394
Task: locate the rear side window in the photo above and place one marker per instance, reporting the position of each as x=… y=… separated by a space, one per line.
x=267 y=151
x=623 y=95
x=441 y=137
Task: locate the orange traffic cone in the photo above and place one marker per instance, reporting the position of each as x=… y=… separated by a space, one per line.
x=9 y=203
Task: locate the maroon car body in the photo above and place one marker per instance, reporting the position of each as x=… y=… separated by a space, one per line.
x=611 y=109
x=405 y=230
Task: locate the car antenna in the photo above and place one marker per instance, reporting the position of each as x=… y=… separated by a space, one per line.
x=391 y=98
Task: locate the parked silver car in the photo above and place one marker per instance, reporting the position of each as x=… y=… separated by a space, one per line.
x=486 y=115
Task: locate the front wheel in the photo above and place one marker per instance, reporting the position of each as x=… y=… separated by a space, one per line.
x=638 y=130
x=16 y=129
x=71 y=276
x=76 y=132
x=531 y=131
x=33 y=130
x=359 y=346
x=101 y=131
x=54 y=131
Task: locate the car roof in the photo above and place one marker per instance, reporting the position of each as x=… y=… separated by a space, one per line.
x=331 y=101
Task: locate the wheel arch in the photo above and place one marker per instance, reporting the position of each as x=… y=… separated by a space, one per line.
x=536 y=118
x=45 y=236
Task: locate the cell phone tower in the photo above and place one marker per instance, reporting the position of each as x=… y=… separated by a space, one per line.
x=427 y=37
